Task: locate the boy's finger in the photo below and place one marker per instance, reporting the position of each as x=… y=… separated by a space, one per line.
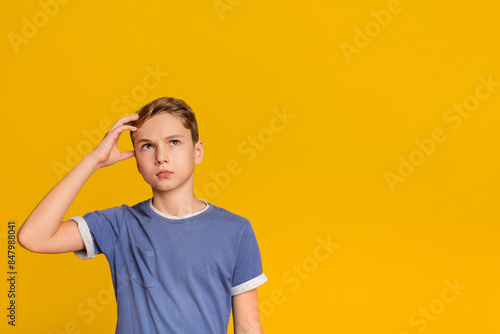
x=127 y=155
x=124 y=120
x=124 y=127
x=119 y=129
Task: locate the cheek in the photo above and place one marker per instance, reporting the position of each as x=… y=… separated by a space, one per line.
x=140 y=161
x=138 y=166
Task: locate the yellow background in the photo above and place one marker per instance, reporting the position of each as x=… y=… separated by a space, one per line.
x=321 y=177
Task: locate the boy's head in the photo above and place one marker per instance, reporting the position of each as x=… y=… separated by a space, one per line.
x=166 y=144
x=172 y=106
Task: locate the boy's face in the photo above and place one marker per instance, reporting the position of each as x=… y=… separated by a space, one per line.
x=165 y=154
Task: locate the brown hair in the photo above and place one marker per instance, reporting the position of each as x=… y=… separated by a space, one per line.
x=172 y=106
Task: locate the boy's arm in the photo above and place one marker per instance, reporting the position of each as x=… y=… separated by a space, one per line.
x=43 y=231
x=246 y=318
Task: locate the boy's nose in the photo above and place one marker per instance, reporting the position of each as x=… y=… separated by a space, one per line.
x=161 y=157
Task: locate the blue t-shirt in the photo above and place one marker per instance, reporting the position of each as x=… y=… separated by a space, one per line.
x=173 y=274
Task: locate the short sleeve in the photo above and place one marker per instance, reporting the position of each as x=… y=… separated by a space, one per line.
x=248 y=269
x=99 y=230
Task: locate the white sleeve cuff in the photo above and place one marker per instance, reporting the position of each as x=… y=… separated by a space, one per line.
x=249 y=285
x=88 y=252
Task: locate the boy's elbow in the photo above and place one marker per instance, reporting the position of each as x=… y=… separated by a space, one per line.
x=29 y=245
x=24 y=240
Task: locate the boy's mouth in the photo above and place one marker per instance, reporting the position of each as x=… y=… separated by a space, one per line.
x=164 y=173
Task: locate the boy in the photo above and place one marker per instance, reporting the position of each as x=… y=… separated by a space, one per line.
x=178 y=263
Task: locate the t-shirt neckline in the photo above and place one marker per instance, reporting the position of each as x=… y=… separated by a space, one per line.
x=182 y=218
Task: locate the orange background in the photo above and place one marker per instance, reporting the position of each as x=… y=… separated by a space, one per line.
x=373 y=201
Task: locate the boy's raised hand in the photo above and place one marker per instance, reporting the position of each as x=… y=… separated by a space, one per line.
x=107 y=152
x=44 y=231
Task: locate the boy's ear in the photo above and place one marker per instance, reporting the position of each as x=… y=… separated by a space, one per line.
x=200 y=152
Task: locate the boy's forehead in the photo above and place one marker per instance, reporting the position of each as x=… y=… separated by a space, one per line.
x=164 y=124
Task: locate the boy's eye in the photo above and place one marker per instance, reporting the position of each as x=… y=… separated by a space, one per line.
x=174 y=142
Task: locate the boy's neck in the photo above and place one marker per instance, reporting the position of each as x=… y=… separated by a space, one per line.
x=177 y=204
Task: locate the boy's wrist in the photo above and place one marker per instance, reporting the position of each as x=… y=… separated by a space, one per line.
x=91 y=162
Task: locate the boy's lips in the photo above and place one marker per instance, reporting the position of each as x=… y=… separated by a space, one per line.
x=164 y=173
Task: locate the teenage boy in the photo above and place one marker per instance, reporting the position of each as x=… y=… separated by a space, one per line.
x=178 y=263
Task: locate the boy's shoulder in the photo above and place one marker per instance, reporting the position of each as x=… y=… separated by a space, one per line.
x=226 y=214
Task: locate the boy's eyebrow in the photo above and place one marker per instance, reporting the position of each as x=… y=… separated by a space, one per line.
x=166 y=138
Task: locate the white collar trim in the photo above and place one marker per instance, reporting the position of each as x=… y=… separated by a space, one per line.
x=178 y=217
